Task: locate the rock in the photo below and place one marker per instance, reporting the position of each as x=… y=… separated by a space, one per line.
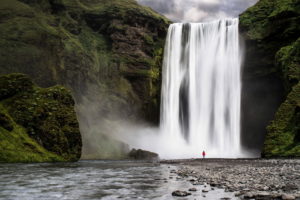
x=263 y=195
x=192 y=189
x=179 y=193
x=37 y=135
x=287 y=197
x=213 y=184
x=290 y=187
x=5 y=122
x=196 y=183
x=266 y=188
x=297 y=195
x=275 y=195
x=237 y=194
x=142 y=155
x=131 y=38
x=225 y=198
x=205 y=190
x=248 y=195
x=255 y=25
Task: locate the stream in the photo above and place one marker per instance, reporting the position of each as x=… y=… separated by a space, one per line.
x=93 y=180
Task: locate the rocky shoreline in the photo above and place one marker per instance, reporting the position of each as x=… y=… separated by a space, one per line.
x=248 y=179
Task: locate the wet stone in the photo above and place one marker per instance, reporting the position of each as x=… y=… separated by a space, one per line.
x=287 y=197
x=192 y=189
x=179 y=193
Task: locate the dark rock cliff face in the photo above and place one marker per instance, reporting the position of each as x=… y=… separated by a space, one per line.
x=108 y=52
x=114 y=45
x=37 y=125
x=271 y=77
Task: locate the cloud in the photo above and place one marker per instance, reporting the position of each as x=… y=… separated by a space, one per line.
x=198 y=10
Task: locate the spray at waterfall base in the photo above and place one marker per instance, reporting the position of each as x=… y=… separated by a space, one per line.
x=201 y=94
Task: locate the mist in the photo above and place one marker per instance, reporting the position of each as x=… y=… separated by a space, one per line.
x=110 y=129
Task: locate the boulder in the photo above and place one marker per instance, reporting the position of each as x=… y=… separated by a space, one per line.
x=179 y=193
x=37 y=124
x=143 y=155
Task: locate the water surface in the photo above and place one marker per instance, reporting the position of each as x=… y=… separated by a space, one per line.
x=93 y=180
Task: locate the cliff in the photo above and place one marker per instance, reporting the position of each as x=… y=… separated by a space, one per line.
x=37 y=125
x=271 y=75
x=115 y=45
x=108 y=52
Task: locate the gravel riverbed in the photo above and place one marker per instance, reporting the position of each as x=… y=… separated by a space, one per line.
x=248 y=179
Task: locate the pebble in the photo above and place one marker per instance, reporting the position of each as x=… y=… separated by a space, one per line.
x=179 y=193
x=192 y=189
x=287 y=197
x=249 y=179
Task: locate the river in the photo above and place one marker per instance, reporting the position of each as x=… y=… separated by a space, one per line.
x=91 y=180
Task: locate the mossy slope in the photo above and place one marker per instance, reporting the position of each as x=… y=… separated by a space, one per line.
x=108 y=52
x=36 y=125
x=115 y=45
x=272 y=30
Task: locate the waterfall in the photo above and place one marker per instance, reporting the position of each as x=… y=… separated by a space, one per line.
x=201 y=89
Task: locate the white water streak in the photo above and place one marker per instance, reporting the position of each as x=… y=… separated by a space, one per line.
x=203 y=62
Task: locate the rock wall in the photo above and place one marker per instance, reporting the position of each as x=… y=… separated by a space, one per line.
x=114 y=45
x=108 y=52
x=37 y=125
x=271 y=77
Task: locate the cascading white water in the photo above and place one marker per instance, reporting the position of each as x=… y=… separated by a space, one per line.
x=201 y=90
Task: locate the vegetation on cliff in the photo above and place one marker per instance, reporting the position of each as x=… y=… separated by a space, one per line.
x=108 y=52
x=36 y=124
x=115 y=45
x=272 y=27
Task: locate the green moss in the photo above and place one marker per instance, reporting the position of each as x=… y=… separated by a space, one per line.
x=272 y=30
x=268 y=18
x=17 y=146
x=288 y=61
x=283 y=133
x=6 y=122
x=148 y=39
x=42 y=122
x=84 y=45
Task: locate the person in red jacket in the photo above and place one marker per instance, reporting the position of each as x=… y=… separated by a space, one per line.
x=203 y=154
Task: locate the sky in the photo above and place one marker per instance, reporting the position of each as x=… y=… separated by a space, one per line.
x=198 y=10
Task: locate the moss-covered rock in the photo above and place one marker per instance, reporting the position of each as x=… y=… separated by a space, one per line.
x=36 y=124
x=272 y=32
x=283 y=138
x=108 y=52
x=83 y=44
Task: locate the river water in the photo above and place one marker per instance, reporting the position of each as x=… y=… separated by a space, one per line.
x=95 y=180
